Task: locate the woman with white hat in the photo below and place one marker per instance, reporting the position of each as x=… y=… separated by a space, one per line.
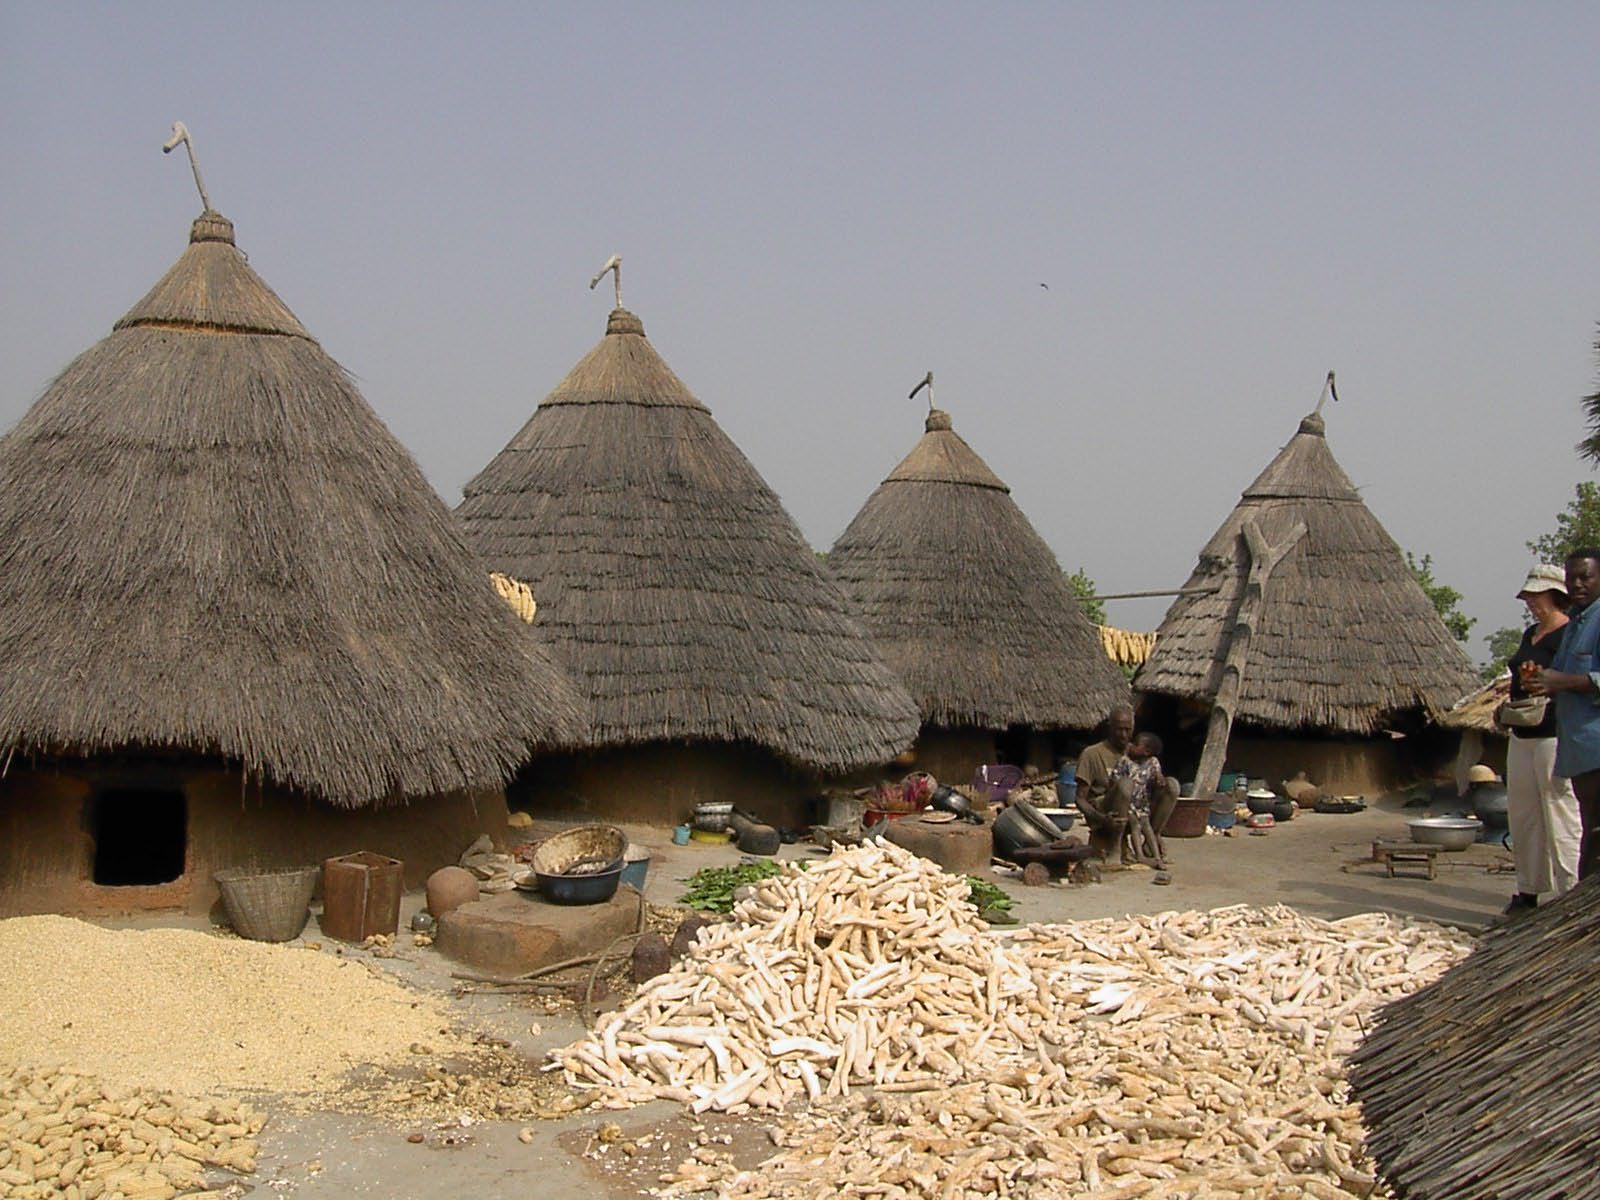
x=1541 y=807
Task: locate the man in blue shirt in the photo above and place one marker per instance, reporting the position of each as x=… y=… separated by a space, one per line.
x=1573 y=680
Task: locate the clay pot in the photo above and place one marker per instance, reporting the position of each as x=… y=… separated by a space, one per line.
x=449 y=888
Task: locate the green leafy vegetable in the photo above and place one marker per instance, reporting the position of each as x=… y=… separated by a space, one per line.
x=711 y=889
x=986 y=896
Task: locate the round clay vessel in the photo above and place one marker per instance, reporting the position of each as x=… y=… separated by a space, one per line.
x=449 y=888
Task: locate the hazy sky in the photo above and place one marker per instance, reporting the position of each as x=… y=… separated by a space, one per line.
x=818 y=203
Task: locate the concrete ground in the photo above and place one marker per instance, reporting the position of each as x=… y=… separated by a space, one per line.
x=1319 y=864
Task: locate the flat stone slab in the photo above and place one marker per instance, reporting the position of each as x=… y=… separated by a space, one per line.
x=516 y=932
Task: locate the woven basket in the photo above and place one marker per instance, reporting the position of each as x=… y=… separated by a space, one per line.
x=268 y=906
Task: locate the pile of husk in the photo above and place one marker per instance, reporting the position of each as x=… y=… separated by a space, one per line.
x=916 y=1053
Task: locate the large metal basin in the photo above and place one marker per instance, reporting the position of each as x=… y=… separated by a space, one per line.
x=1448 y=833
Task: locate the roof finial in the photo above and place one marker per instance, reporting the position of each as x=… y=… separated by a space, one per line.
x=927 y=382
x=1327 y=390
x=180 y=133
x=614 y=264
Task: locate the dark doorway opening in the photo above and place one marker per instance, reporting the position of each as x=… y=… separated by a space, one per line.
x=140 y=835
x=1011 y=746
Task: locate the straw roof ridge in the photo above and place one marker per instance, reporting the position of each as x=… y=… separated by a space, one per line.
x=1347 y=640
x=210 y=544
x=674 y=586
x=1482 y=1085
x=212 y=287
x=967 y=601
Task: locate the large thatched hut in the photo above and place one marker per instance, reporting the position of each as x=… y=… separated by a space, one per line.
x=721 y=661
x=1482 y=1086
x=237 y=626
x=1348 y=662
x=971 y=610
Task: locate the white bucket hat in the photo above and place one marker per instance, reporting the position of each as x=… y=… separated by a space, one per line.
x=1545 y=577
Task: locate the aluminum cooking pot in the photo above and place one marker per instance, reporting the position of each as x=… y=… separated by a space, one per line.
x=1449 y=833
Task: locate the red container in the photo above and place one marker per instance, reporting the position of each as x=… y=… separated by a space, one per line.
x=361 y=895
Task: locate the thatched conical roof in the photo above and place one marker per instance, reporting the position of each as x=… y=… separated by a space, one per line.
x=1346 y=638
x=1483 y=1085
x=209 y=543
x=966 y=600
x=678 y=591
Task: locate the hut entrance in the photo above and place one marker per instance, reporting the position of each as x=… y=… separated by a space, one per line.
x=139 y=835
x=1011 y=746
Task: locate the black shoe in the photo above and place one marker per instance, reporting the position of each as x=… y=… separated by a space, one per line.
x=1521 y=904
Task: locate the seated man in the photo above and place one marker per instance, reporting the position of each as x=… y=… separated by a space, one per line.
x=1105 y=815
x=1150 y=795
x=1106 y=800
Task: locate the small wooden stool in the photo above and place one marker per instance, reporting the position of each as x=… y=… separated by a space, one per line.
x=1389 y=851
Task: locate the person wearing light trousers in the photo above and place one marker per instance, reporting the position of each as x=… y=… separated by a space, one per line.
x=1541 y=806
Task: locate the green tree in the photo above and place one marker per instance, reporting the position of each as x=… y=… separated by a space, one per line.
x=1577 y=525
x=1502 y=643
x=1084 y=589
x=1590 y=446
x=1446 y=600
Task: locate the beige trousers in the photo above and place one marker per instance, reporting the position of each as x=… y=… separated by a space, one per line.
x=1543 y=814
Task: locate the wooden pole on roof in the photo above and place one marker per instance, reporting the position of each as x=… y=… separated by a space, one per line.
x=180 y=137
x=1264 y=559
x=614 y=265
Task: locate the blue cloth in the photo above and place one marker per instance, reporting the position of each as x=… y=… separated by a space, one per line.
x=1578 y=713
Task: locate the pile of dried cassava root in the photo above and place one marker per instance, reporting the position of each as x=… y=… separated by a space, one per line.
x=1184 y=1054
x=64 y=1133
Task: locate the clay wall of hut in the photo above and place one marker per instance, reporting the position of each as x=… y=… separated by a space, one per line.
x=1341 y=764
x=173 y=825
x=659 y=783
x=951 y=754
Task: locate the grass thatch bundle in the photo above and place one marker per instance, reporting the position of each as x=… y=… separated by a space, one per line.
x=1485 y=1085
x=210 y=543
x=673 y=584
x=1346 y=639
x=966 y=600
x=1476 y=710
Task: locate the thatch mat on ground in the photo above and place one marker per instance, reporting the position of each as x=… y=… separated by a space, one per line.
x=1486 y=1085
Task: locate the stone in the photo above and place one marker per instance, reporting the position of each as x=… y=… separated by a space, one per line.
x=958 y=847
x=688 y=929
x=516 y=932
x=449 y=888
x=1035 y=874
x=651 y=957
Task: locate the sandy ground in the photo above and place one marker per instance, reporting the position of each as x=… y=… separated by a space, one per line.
x=1319 y=864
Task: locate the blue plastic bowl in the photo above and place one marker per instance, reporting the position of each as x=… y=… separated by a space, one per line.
x=1220 y=820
